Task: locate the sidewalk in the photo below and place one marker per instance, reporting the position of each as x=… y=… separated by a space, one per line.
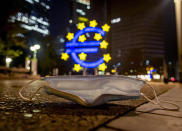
x=149 y=117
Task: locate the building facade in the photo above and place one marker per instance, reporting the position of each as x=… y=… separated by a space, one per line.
x=137 y=25
x=34 y=16
x=79 y=11
x=136 y=29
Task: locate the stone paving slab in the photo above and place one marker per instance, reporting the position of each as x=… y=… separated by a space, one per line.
x=149 y=117
x=54 y=113
x=177 y=98
x=136 y=121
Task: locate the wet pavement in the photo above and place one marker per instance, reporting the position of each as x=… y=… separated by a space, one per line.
x=49 y=112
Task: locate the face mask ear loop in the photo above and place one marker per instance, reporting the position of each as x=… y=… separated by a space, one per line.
x=23 y=87
x=158 y=102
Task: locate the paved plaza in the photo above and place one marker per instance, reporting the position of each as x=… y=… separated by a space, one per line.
x=53 y=113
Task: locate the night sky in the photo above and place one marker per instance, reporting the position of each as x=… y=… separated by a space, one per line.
x=59 y=16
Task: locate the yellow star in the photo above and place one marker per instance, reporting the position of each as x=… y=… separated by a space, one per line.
x=70 y=36
x=77 y=67
x=102 y=67
x=82 y=56
x=103 y=44
x=107 y=57
x=97 y=36
x=151 y=68
x=82 y=38
x=64 y=56
x=106 y=27
x=93 y=23
x=81 y=26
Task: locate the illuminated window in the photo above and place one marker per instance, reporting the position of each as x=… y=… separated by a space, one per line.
x=81 y=12
x=33 y=18
x=20 y=35
x=12 y=19
x=35 y=28
x=116 y=20
x=30 y=1
x=62 y=40
x=36 y=0
x=147 y=62
x=32 y=21
x=85 y=2
x=88 y=7
x=24 y=19
x=47 y=7
x=19 y=15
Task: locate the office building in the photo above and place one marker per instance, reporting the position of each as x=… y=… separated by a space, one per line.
x=34 y=16
x=136 y=25
x=79 y=11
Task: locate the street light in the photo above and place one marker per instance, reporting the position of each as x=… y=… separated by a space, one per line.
x=34 y=48
x=8 y=61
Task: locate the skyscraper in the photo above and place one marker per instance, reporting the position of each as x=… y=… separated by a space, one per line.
x=136 y=25
x=79 y=11
x=34 y=16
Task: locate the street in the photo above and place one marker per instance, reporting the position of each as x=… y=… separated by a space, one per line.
x=52 y=113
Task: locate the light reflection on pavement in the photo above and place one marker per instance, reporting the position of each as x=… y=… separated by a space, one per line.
x=54 y=113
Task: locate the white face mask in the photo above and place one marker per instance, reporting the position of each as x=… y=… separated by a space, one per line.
x=96 y=90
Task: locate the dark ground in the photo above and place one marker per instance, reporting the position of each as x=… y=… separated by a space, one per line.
x=53 y=113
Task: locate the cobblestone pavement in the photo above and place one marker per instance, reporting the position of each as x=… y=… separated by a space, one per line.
x=53 y=113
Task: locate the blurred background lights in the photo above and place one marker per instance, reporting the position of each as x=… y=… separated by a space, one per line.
x=156 y=76
x=173 y=79
x=70 y=21
x=147 y=62
x=116 y=20
x=34 y=48
x=37 y=46
x=62 y=40
x=8 y=61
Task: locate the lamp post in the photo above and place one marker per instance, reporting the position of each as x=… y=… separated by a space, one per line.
x=178 y=8
x=8 y=61
x=34 y=49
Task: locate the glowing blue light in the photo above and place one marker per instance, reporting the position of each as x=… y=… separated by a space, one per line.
x=73 y=47
x=87 y=64
x=150 y=73
x=85 y=44
x=80 y=50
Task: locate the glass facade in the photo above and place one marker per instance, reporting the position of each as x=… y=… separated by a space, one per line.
x=35 y=16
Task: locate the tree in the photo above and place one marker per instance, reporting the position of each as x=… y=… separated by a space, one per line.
x=48 y=60
x=12 y=44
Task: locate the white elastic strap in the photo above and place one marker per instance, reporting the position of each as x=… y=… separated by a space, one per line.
x=31 y=97
x=158 y=102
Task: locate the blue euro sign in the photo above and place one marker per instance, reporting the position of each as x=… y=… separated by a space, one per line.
x=74 y=47
x=150 y=73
